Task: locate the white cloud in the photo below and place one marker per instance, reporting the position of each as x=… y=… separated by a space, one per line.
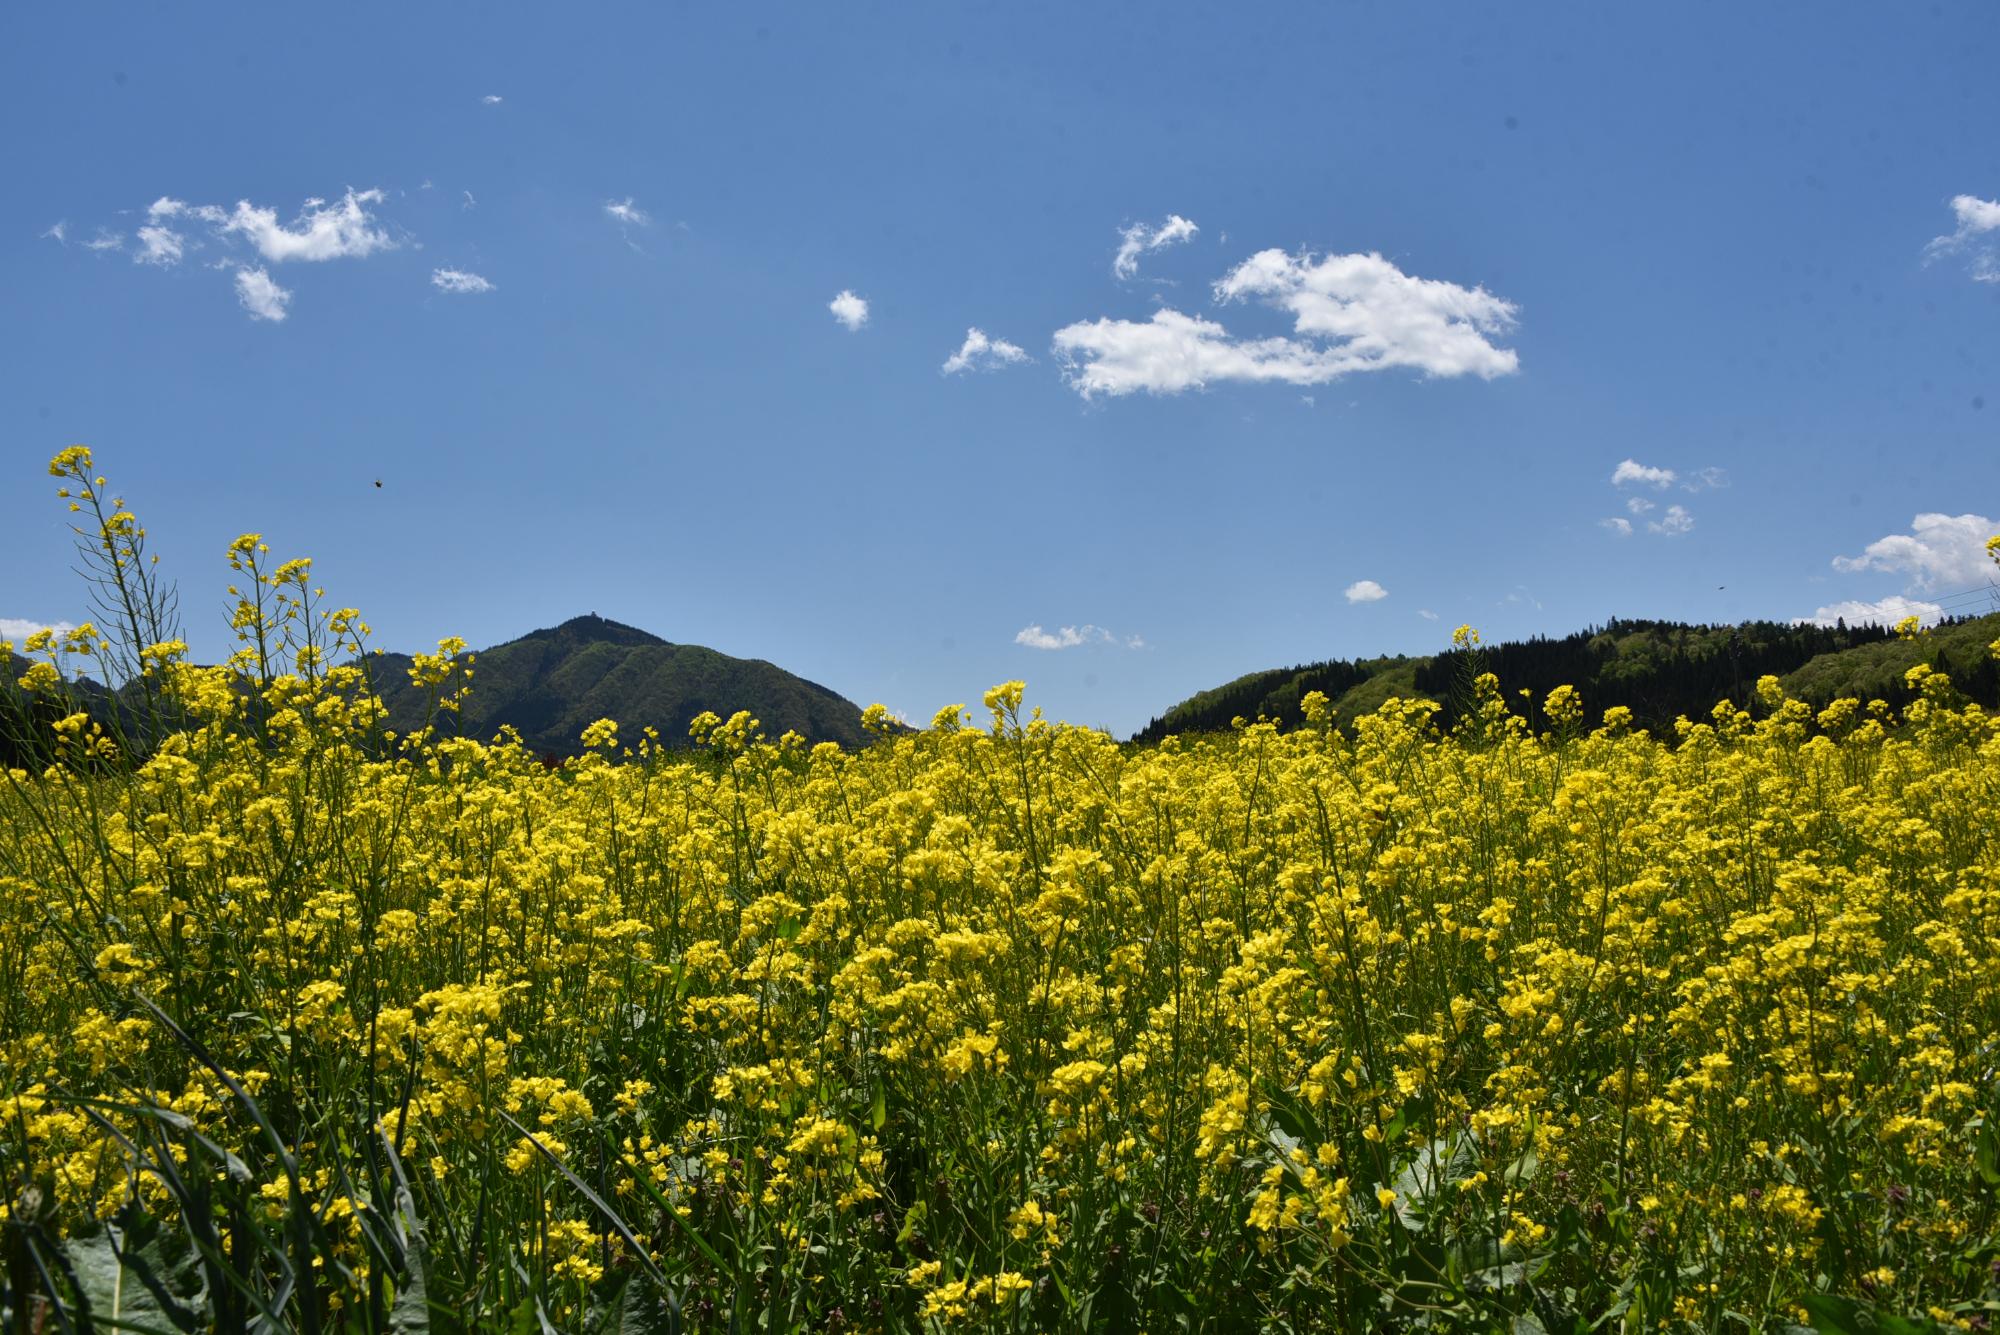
x=1071 y=637
x=1352 y=313
x=1673 y=524
x=458 y=281
x=1427 y=614
x=1978 y=235
x=1637 y=505
x=470 y=202
x=322 y=231
x=18 y=629
x=1633 y=471
x=625 y=211
x=1938 y=550
x=1137 y=239
x=1885 y=612
x=58 y=233
x=1366 y=591
x=849 y=309
x=978 y=352
x=160 y=245
x=264 y=299
x=1622 y=527
x=1706 y=479
x=105 y=241
x=491 y=100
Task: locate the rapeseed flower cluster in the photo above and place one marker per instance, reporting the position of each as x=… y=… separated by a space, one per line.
x=1001 y=1027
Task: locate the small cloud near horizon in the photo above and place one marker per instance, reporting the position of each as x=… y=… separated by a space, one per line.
x=1032 y=636
x=18 y=629
x=1882 y=612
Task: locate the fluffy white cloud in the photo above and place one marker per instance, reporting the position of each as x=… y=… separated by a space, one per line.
x=1632 y=471
x=849 y=309
x=1675 y=522
x=1071 y=637
x=1637 y=505
x=490 y=100
x=322 y=231
x=1977 y=235
x=1939 y=550
x=1366 y=591
x=458 y=281
x=264 y=299
x=1351 y=313
x=625 y=211
x=1885 y=612
x=160 y=245
x=18 y=629
x=1622 y=527
x=978 y=352
x=1137 y=239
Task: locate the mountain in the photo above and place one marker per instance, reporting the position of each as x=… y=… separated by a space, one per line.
x=550 y=685
x=1659 y=670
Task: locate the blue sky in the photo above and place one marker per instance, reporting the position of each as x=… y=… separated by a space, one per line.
x=1401 y=289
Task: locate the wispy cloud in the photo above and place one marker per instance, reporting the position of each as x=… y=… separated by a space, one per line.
x=1365 y=591
x=58 y=233
x=260 y=296
x=1073 y=637
x=1349 y=313
x=1883 y=612
x=1939 y=551
x=173 y=229
x=850 y=310
x=1676 y=522
x=1137 y=239
x=980 y=353
x=491 y=100
x=162 y=246
x=1977 y=237
x=627 y=213
x=458 y=281
x=322 y=231
x=1427 y=614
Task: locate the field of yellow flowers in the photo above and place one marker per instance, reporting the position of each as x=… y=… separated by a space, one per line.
x=996 y=1025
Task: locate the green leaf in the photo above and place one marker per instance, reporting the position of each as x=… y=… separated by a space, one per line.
x=131 y=1281
x=1843 y=1316
x=912 y=1221
x=1986 y=1153
x=878 y=1112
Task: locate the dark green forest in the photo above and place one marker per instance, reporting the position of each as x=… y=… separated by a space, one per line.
x=1660 y=670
